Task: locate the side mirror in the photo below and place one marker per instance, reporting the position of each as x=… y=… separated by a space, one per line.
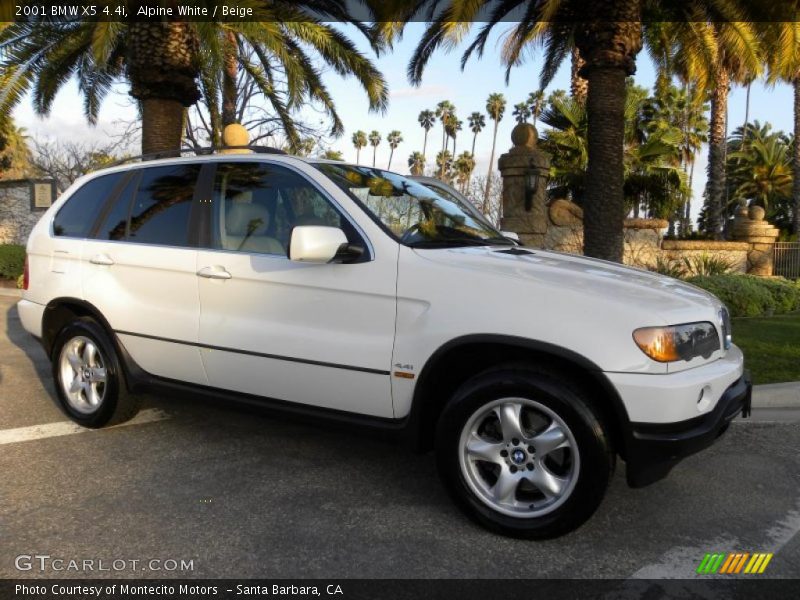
x=511 y=235
x=313 y=243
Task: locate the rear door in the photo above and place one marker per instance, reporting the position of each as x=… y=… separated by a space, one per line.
x=139 y=269
x=318 y=334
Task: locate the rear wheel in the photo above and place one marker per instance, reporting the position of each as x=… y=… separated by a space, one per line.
x=88 y=376
x=523 y=453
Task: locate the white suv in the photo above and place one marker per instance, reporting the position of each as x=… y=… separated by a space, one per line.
x=356 y=294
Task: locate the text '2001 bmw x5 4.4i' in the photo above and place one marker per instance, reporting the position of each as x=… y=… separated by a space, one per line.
x=356 y=294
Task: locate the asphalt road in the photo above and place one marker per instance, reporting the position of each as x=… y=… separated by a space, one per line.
x=243 y=495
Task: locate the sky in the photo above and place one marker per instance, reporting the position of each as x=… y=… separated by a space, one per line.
x=442 y=80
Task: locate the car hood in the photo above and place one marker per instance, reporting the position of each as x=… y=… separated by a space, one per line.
x=672 y=300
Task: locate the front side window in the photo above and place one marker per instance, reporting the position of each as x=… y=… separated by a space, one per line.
x=161 y=207
x=256 y=205
x=414 y=214
x=76 y=217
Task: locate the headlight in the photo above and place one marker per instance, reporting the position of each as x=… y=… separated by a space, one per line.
x=678 y=342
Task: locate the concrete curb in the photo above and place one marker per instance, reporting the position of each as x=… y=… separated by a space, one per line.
x=10 y=293
x=777 y=395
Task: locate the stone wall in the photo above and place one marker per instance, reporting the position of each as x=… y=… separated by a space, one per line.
x=733 y=253
x=16 y=217
x=644 y=243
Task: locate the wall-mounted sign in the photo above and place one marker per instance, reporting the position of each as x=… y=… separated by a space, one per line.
x=42 y=194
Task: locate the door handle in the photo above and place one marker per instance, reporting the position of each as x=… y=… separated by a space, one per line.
x=101 y=259
x=214 y=272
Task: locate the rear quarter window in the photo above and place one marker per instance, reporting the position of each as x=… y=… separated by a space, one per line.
x=79 y=213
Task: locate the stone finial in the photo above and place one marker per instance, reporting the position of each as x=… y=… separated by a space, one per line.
x=756 y=213
x=524 y=137
x=235 y=135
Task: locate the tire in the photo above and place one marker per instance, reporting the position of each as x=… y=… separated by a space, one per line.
x=88 y=376
x=540 y=487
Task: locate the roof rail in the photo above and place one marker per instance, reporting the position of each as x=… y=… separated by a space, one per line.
x=205 y=151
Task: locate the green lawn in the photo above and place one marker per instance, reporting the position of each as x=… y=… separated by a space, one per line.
x=771 y=347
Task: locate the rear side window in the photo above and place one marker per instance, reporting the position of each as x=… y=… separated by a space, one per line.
x=161 y=207
x=76 y=217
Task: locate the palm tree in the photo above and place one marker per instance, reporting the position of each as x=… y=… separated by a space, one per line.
x=444 y=164
x=783 y=59
x=737 y=60
x=464 y=165
x=359 y=141
x=15 y=156
x=374 y=141
x=653 y=176
x=477 y=121
x=394 y=138
x=495 y=108
x=333 y=155
x=608 y=36
x=759 y=166
x=416 y=163
x=453 y=126
x=162 y=62
x=521 y=112
x=444 y=110
x=536 y=103
x=426 y=120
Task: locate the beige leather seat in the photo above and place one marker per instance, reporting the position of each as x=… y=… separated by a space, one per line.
x=242 y=219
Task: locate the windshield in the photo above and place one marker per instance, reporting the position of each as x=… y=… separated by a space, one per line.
x=462 y=202
x=416 y=215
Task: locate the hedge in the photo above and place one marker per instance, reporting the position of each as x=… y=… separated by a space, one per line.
x=12 y=261
x=749 y=296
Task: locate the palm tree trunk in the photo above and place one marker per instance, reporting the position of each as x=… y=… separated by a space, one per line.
x=374 y=152
x=391 y=153
x=689 y=199
x=796 y=157
x=604 y=207
x=715 y=188
x=162 y=126
x=358 y=155
x=489 y=174
x=474 y=139
x=425 y=145
x=444 y=149
x=230 y=72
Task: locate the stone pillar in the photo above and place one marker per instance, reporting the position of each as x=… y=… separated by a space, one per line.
x=749 y=226
x=525 y=170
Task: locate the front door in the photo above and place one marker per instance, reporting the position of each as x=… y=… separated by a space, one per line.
x=317 y=334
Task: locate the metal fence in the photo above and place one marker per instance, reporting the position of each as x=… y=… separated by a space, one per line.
x=787 y=260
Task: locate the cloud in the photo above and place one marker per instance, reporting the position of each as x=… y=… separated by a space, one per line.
x=425 y=91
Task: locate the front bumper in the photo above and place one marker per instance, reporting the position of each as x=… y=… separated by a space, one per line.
x=654 y=448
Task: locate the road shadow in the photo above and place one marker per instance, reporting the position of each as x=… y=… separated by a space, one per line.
x=31 y=348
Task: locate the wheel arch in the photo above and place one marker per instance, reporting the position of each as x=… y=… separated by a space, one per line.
x=61 y=311
x=461 y=358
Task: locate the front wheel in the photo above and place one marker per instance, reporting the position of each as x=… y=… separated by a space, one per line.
x=88 y=376
x=523 y=453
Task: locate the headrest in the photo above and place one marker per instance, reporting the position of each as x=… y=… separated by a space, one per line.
x=242 y=218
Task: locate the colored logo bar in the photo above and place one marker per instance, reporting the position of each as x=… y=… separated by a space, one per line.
x=734 y=563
